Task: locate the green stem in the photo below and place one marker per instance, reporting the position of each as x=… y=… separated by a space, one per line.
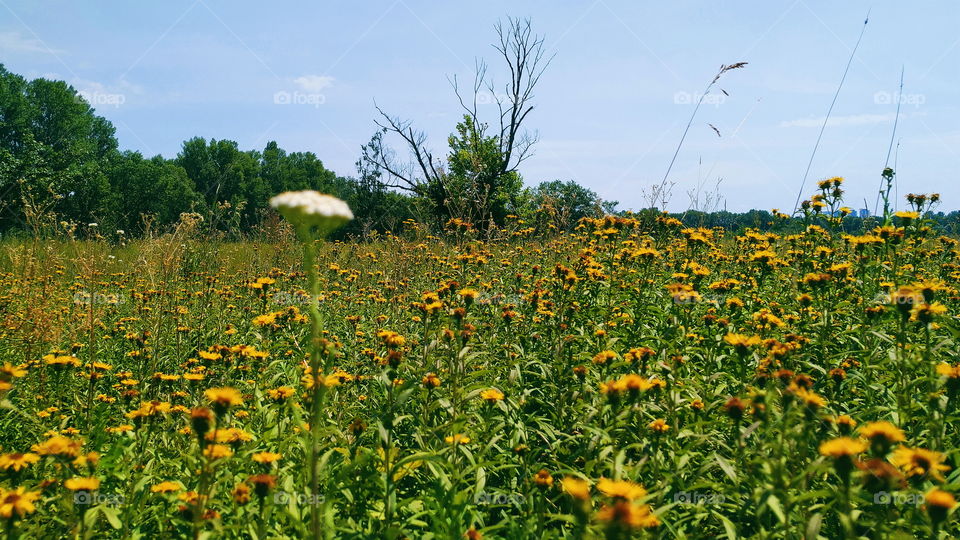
x=319 y=382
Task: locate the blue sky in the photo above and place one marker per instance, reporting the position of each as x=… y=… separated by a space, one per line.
x=610 y=109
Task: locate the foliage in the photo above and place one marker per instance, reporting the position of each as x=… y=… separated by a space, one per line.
x=634 y=376
x=58 y=158
x=564 y=204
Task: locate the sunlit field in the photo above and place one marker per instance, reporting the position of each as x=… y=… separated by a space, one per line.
x=634 y=378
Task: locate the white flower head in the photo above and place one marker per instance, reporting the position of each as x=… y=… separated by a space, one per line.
x=309 y=209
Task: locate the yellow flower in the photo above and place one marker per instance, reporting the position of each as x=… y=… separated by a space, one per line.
x=82 y=484
x=639 y=354
x=842 y=447
x=543 y=478
x=457 y=438
x=810 y=398
x=845 y=423
x=17 y=461
x=241 y=493
x=905 y=298
x=266 y=458
x=741 y=342
x=919 y=462
x=218 y=451
x=907 y=216
x=229 y=435
x=150 y=408
x=280 y=393
x=19 y=501
x=940 y=498
x=431 y=381
x=628 y=515
x=391 y=339
x=91 y=459
x=925 y=313
x=882 y=432
x=948 y=371
x=58 y=445
x=939 y=504
x=165 y=487
x=260 y=320
x=659 y=426
x=621 y=489
x=604 y=356
x=491 y=395
x=262 y=483
x=190 y=497
x=577 y=488
x=329 y=381
x=207 y=355
x=10 y=371
x=61 y=361
x=224 y=397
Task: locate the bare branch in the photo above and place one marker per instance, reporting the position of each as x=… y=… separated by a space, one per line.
x=524 y=54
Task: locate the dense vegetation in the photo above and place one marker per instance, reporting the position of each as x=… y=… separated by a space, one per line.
x=61 y=168
x=58 y=158
x=631 y=377
x=456 y=351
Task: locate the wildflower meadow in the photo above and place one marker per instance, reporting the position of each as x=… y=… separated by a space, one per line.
x=635 y=377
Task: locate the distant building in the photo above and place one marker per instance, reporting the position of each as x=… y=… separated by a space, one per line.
x=863 y=213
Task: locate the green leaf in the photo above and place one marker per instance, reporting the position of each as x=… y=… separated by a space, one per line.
x=727 y=467
x=774 y=503
x=728 y=526
x=112 y=514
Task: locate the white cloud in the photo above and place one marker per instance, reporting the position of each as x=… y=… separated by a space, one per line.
x=314 y=83
x=849 y=120
x=13 y=41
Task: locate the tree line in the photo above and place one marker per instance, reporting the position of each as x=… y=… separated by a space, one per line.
x=61 y=166
x=59 y=159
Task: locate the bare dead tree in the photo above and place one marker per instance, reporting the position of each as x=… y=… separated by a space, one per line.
x=523 y=52
x=424 y=174
x=412 y=176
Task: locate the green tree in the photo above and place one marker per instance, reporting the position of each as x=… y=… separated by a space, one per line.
x=479 y=180
x=563 y=204
x=56 y=149
x=475 y=188
x=225 y=175
x=155 y=187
